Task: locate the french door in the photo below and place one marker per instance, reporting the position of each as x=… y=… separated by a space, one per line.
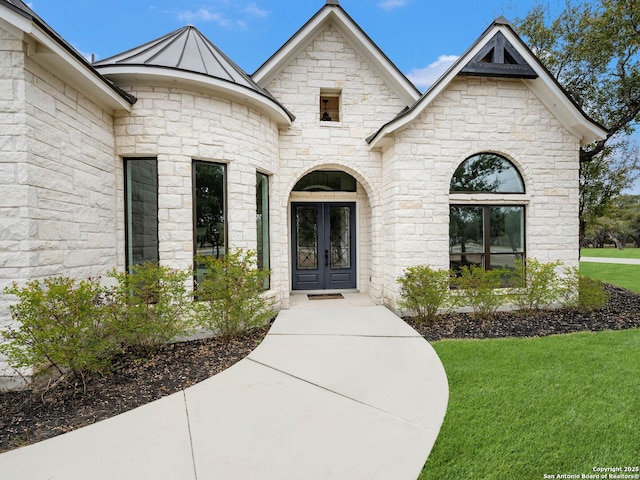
x=323 y=245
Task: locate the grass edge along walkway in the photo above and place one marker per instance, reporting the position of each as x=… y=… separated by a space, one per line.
x=610 y=253
x=525 y=408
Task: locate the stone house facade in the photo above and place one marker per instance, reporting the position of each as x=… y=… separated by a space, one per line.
x=326 y=160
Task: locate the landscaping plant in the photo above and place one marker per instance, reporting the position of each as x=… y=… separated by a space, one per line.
x=536 y=285
x=583 y=293
x=230 y=294
x=60 y=323
x=423 y=291
x=479 y=289
x=150 y=306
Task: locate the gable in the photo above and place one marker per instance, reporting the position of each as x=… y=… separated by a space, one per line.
x=498 y=58
x=332 y=14
x=500 y=52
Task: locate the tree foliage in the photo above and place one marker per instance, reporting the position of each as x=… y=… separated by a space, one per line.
x=593 y=49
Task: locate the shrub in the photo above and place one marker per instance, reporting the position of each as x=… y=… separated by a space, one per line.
x=229 y=294
x=537 y=284
x=150 y=306
x=478 y=289
x=61 y=323
x=423 y=291
x=583 y=293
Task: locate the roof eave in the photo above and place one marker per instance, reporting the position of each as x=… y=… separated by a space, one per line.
x=45 y=46
x=546 y=88
x=135 y=74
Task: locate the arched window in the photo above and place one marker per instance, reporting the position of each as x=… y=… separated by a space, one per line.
x=488 y=233
x=487 y=172
x=326 y=181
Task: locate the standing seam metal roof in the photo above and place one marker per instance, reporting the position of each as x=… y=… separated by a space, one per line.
x=185 y=49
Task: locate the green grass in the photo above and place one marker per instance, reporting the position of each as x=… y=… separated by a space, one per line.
x=610 y=252
x=523 y=408
x=625 y=276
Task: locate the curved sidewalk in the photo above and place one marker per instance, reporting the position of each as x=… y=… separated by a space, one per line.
x=340 y=392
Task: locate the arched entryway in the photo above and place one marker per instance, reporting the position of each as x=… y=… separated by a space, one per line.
x=326 y=219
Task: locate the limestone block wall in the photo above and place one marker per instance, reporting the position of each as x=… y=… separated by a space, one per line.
x=178 y=126
x=329 y=63
x=474 y=115
x=57 y=208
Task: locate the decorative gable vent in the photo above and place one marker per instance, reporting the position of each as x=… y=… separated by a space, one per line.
x=498 y=58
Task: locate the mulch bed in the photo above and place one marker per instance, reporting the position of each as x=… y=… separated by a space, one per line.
x=27 y=417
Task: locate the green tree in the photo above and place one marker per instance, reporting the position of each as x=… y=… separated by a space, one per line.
x=593 y=49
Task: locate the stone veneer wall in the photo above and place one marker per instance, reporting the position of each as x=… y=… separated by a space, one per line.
x=178 y=126
x=474 y=115
x=366 y=102
x=57 y=211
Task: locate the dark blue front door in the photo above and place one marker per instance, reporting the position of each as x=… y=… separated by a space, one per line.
x=324 y=245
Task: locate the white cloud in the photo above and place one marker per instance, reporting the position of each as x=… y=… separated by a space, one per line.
x=204 y=15
x=254 y=10
x=391 y=4
x=425 y=77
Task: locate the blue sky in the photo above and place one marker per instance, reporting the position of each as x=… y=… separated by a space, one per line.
x=421 y=37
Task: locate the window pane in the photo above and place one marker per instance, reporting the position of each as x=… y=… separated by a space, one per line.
x=326 y=181
x=141 y=210
x=262 y=221
x=507 y=229
x=209 y=209
x=507 y=236
x=487 y=172
x=340 y=237
x=466 y=241
x=307 y=237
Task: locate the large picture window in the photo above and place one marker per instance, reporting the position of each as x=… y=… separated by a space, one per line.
x=484 y=233
x=488 y=236
x=141 y=210
x=209 y=210
x=262 y=222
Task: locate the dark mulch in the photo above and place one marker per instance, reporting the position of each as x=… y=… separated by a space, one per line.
x=26 y=417
x=621 y=312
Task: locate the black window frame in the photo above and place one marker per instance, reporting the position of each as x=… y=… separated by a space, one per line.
x=127 y=161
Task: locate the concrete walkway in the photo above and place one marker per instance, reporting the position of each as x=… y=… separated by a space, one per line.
x=335 y=391
x=623 y=261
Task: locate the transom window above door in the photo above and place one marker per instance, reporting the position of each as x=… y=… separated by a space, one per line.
x=326 y=181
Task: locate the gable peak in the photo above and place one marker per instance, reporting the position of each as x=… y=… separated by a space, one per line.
x=333 y=2
x=499 y=58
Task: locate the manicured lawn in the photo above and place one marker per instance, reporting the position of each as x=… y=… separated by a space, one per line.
x=625 y=276
x=523 y=408
x=610 y=252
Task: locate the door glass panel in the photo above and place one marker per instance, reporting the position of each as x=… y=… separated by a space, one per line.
x=339 y=237
x=307 y=237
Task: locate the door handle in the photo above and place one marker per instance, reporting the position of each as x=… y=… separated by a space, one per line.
x=326 y=258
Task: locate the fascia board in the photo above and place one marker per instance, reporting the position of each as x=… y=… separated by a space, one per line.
x=372 y=54
x=41 y=47
x=270 y=69
x=544 y=87
x=144 y=74
x=363 y=45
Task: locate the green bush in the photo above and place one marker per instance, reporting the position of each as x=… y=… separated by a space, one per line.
x=479 y=289
x=229 y=294
x=583 y=293
x=60 y=323
x=150 y=306
x=423 y=291
x=537 y=285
